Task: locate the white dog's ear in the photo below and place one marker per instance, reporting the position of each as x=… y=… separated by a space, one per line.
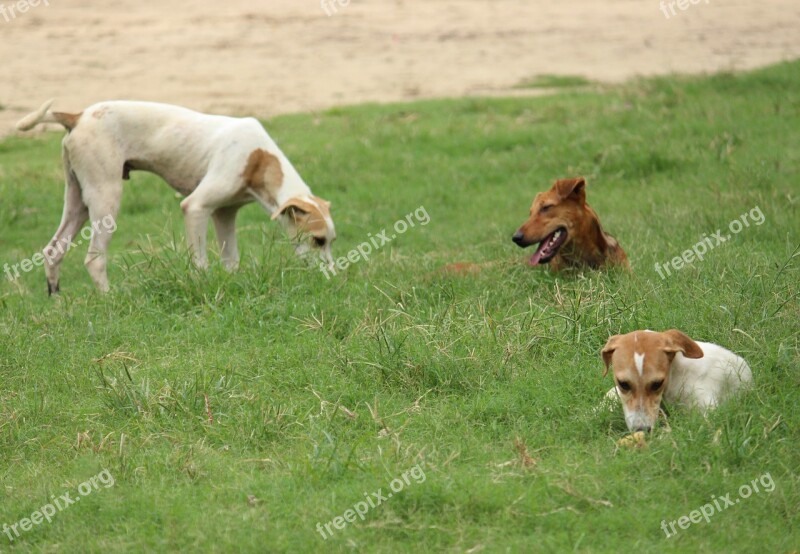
x=679 y=342
x=290 y=205
x=608 y=351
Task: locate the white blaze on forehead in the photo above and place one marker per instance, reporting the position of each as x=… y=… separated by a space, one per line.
x=638 y=359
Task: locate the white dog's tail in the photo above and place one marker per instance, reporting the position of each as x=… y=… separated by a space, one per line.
x=44 y=115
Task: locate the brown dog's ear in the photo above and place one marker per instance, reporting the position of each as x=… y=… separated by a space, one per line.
x=608 y=351
x=679 y=342
x=572 y=188
x=291 y=205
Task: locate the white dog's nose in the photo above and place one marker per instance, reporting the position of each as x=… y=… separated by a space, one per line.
x=327 y=258
x=637 y=421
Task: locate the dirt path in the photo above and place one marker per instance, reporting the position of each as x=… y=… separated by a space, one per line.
x=238 y=57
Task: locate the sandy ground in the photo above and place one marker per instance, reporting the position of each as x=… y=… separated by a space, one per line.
x=276 y=56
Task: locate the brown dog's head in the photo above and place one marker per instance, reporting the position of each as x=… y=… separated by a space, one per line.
x=554 y=215
x=641 y=362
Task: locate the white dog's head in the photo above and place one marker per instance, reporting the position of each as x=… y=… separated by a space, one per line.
x=641 y=362
x=308 y=221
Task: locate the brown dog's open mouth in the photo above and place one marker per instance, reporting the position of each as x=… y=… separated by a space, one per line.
x=548 y=247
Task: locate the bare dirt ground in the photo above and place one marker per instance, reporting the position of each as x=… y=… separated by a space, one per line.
x=265 y=58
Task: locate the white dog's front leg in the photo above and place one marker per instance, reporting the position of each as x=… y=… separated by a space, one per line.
x=196 y=219
x=610 y=402
x=225 y=223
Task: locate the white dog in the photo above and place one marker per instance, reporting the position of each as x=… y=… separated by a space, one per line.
x=219 y=163
x=648 y=365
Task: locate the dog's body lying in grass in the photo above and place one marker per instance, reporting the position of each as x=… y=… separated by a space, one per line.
x=649 y=365
x=219 y=163
x=568 y=230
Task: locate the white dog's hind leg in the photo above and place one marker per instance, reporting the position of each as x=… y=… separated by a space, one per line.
x=102 y=209
x=73 y=217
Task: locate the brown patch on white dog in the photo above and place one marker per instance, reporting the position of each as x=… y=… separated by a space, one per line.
x=263 y=175
x=68 y=120
x=307 y=214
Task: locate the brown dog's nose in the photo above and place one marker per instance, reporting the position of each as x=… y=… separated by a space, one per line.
x=518 y=238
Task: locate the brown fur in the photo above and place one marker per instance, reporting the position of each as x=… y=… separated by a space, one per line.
x=587 y=245
x=462 y=267
x=263 y=175
x=306 y=216
x=68 y=120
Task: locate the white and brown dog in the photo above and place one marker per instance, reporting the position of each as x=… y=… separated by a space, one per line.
x=649 y=365
x=218 y=163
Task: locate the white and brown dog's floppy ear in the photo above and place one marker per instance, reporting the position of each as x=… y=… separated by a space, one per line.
x=679 y=342
x=572 y=188
x=608 y=351
x=289 y=206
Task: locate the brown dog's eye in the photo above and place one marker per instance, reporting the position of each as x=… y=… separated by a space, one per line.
x=625 y=386
x=656 y=386
x=544 y=209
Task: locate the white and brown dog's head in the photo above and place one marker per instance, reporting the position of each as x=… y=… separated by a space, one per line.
x=641 y=361
x=309 y=224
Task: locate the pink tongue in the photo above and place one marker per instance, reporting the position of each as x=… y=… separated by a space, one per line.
x=538 y=254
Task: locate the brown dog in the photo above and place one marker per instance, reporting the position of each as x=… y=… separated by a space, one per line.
x=568 y=230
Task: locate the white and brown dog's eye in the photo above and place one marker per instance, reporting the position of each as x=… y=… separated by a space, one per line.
x=625 y=386
x=319 y=242
x=655 y=386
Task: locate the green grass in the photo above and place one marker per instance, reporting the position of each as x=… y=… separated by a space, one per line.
x=555 y=81
x=322 y=390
